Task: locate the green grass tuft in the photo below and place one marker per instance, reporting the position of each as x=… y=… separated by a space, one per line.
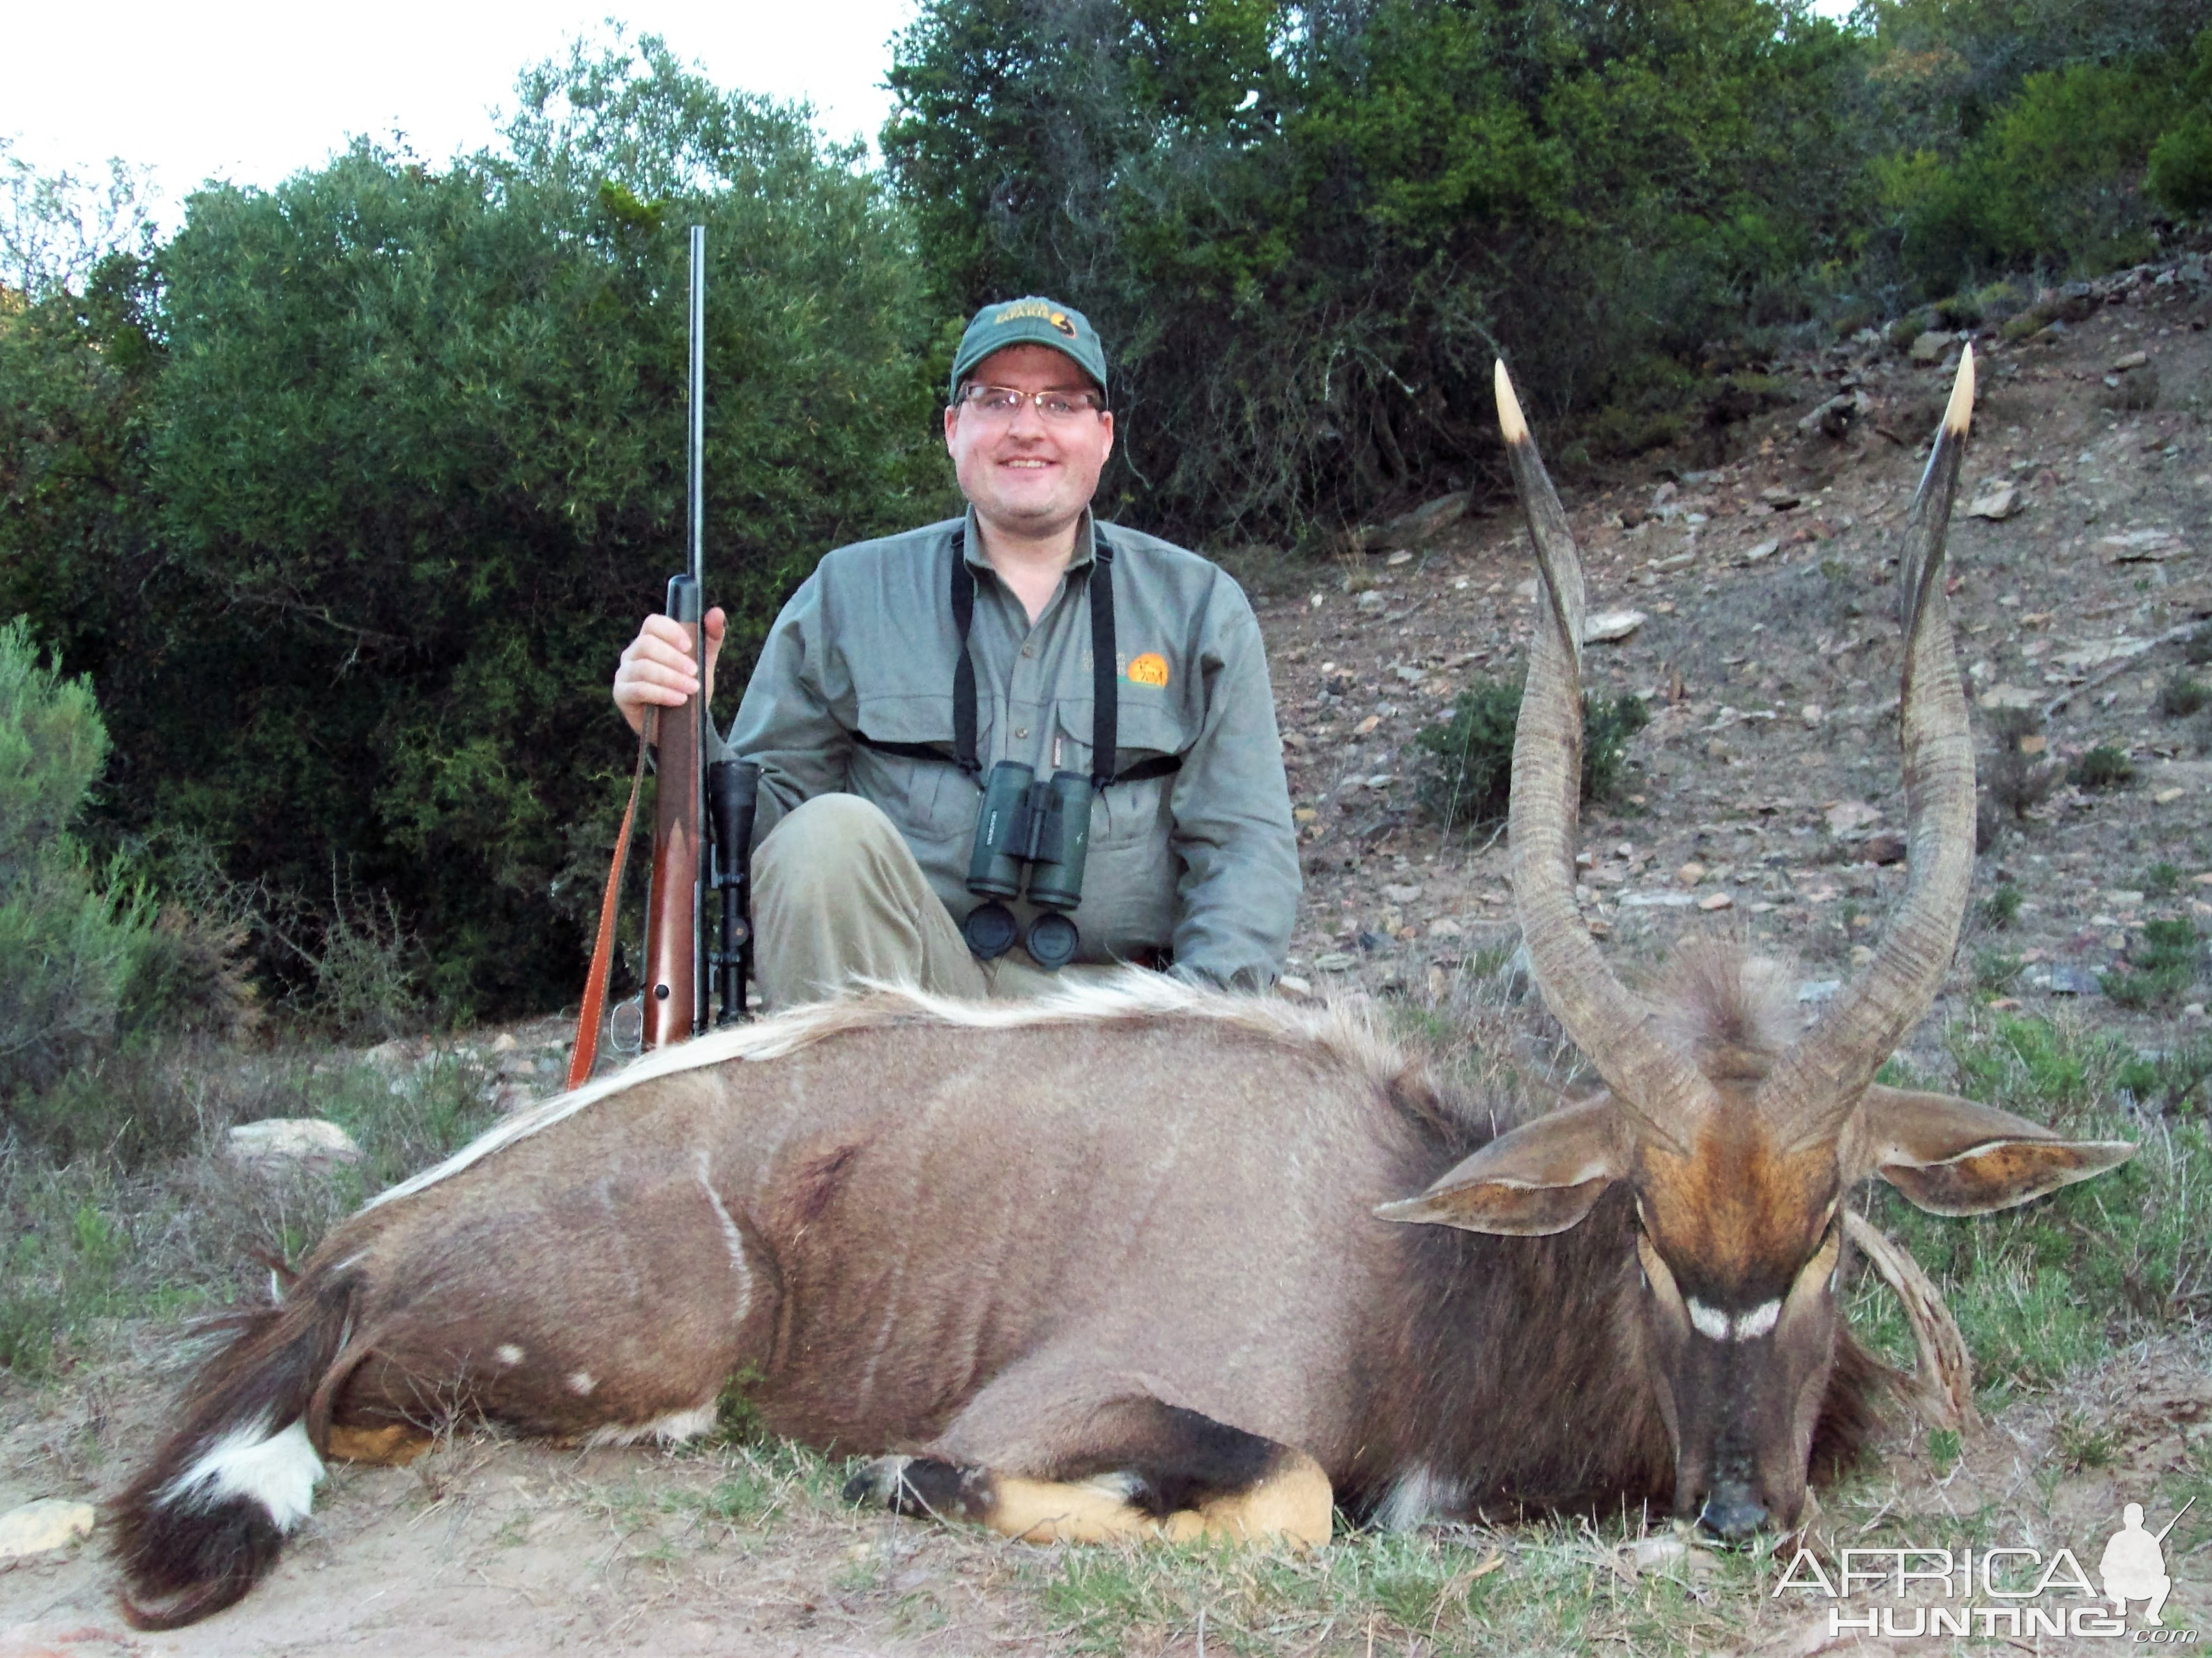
x=2105 y=767
x=2181 y=696
x=2001 y=907
x=1468 y=759
x=2160 y=969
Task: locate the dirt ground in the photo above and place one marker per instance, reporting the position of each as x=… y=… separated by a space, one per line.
x=1756 y=800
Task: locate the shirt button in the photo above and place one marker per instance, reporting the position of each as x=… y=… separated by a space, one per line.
x=1029 y=650
x=1021 y=731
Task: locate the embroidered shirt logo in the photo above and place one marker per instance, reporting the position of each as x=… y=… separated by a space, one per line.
x=1150 y=669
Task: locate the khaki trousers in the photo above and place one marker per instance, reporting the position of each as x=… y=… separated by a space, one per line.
x=837 y=896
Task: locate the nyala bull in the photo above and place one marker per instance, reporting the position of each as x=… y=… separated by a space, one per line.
x=1145 y=1259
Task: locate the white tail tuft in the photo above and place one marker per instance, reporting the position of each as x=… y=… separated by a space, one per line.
x=279 y=1470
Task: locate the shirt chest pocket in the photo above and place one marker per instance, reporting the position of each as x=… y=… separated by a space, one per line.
x=1147 y=738
x=928 y=799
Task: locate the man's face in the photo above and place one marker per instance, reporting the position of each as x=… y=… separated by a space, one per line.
x=1029 y=477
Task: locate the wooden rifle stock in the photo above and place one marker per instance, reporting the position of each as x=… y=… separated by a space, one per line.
x=673 y=986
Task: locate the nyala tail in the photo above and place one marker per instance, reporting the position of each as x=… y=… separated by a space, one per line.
x=206 y=1519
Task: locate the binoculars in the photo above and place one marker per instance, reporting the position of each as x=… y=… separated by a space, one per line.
x=1034 y=833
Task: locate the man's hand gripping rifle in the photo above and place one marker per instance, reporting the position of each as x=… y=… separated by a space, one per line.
x=699 y=886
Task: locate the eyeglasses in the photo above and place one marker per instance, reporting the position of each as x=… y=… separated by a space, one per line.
x=998 y=404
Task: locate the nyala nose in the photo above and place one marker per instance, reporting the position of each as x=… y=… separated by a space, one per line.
x=1732 y=1511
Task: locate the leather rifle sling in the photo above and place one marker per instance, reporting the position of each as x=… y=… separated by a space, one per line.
x=586 y=1050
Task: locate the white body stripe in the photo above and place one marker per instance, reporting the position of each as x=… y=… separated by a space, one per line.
x=732 y=1240
x=1717 y=1325
x=278 y=1470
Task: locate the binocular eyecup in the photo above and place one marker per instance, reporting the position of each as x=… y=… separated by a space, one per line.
x=1034 y=833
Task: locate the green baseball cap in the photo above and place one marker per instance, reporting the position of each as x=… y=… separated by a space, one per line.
x=1030 y=320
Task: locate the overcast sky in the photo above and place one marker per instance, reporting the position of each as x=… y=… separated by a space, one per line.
x=254 y=92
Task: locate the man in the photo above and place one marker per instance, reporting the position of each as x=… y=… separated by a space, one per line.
x=872 y=779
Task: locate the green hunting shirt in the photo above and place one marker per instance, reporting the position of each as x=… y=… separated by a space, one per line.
x=1203 y=862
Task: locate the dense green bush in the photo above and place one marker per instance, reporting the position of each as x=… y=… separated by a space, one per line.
x=350 y=497
x=1466 y=776
x=1308 y=233
x=2055 y=176
x=2181 y=160
x=68 y=940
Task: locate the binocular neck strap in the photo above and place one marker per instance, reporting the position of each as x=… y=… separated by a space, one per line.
x=1105 y=696
x=1105 y=705
x=963 y=676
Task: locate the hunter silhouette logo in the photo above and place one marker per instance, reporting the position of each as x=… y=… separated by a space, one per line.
x=2134 y=1564
x=2000 y=1591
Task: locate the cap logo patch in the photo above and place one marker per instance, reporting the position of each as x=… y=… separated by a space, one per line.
x=1060 y=320
x=1150 y=669
x=1037 y=308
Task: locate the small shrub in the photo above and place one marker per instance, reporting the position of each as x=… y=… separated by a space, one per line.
x=2159 y=969
x=2162 y=880
x=2168 y=1083
x=1996 y=971
x=2054 y=173
x=2180 y=696
x=2017 y=775
x=2001 y=907
x=2105 y=767
x=1467 y=778
x=2196 y=649
x=2001 y=302
x=68 y=932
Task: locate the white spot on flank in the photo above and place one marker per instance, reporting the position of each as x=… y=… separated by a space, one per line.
x=580 y=1384
x=508 y=1354
x=1418 y=1497
x=278 y=1470
x=671 y=1429
x=1717 y=1325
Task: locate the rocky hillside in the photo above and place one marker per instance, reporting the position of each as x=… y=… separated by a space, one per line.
x=1753 y=611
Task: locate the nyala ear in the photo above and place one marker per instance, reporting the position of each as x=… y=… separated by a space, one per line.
x=1951 y=1156
x=1540 y=1178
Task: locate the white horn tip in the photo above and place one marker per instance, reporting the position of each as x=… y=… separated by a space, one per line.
x=1959 y=413
x=1510 y=421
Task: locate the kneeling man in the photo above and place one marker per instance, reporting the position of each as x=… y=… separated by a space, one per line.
x=906 y=672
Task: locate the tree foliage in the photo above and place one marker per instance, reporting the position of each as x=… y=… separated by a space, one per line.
x=403 y=464
x=1308 y=231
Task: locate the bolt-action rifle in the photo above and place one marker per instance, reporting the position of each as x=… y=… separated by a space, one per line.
x=694 y=876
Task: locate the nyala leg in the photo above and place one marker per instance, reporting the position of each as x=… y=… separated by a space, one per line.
x=1168 y=1472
